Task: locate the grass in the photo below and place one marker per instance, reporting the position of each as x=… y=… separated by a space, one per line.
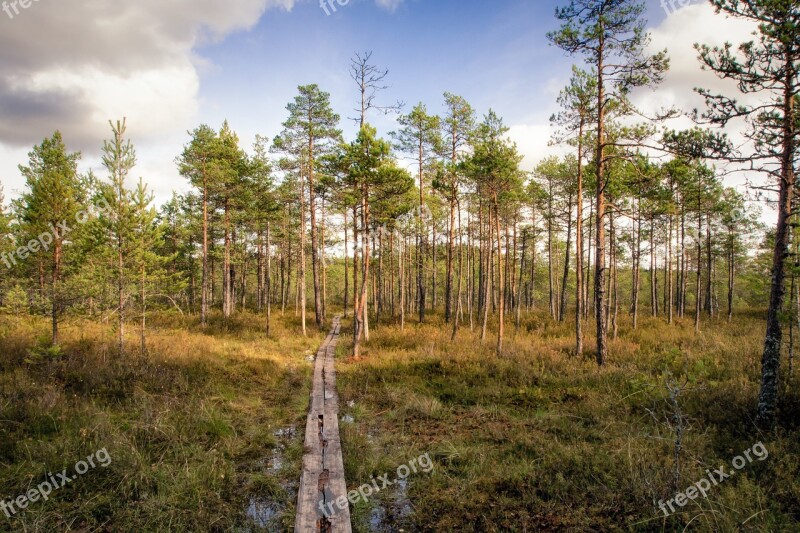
x=205 y=432
x=541 y=440
x=199 y=431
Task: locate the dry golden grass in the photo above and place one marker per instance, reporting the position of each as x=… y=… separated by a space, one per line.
x=542 y=440
x=193 y=427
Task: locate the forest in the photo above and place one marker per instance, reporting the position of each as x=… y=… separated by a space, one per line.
x=577 y=347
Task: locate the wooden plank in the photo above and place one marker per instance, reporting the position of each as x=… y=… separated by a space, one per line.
x=322 y=481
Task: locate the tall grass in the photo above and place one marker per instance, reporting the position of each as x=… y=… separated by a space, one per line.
x=190 y=426
x=542 y=440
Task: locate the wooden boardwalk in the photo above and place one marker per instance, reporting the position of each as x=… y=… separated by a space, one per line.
x=322 y=481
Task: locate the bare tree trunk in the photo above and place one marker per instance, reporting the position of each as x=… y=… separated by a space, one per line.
x=637 y=264
x=301 y=278
x=501 y=288
x=550 y=273
x=653 y=270
x=402 y=280
x=322 y=268
x=600 y=266
x=589 y=302
x=434 y=301
x=709 y=304
x=771 y=360
x=562 y=308
x=670 y=291
x=518 y=311
x=460 y=277
x=315 y=266
x=578 y=249
x=731 y=274
x=226 y=266
x=614 y=278
x=355 y=260
x=699 y=295
x=361 y=311
x=346 y=268
x=143 y=327
x=486 y=284
x=268 y=282
x=204 y=289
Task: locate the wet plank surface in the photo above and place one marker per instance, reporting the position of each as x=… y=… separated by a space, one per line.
x=322 y=482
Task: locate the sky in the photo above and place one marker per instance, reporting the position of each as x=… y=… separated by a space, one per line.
x=169 y=66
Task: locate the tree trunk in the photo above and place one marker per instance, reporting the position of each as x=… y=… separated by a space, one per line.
x=268 y=281
x=457 y=316
x=361 y=310
x=637 y=264
x=600 y=252
x=770 y=363
x=669 y=288
x=312 y=208
x=562 y=308
x=698 y=295
x=204 y=288
x=578 y=249
x=346 y=268
x=301 y=276
x=501 y=288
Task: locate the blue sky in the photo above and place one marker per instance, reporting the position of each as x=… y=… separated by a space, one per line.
x=493 y=53
x=170 y=66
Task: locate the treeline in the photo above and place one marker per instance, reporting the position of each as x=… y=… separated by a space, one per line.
x=636 y=219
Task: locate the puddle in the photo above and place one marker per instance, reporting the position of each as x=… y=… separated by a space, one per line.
x=287 y=433
x=284 y=435
x=377 y=519
x=263 y=513
x=395 y=513
x=277 y=461
x=403 y=506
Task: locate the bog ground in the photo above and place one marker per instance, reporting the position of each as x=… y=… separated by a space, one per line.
x=205 y=433
x=563 y=237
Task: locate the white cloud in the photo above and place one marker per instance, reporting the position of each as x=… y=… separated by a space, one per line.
x=79 y=63
x=389 y=5
x=696 y=23
x=532 y=141
x=75 y=65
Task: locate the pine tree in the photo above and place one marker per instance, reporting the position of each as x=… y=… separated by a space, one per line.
x=578 y=101
x=457 y=127
x=230 y=164
x=309 y=132
x=610 y=34
x=494 y=166
x=50 y=205
x=766 y=67
x=149 y=266
x=197 y=164
x=119 y=158
x=374 y=174
x=420 y=137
